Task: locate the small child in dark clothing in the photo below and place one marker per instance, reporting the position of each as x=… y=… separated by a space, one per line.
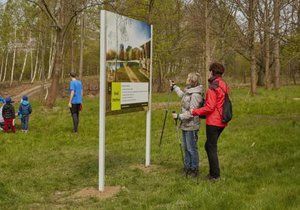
x=24 y=112
x=8 y=113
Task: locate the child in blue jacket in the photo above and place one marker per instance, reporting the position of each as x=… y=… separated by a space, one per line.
x=24 y=112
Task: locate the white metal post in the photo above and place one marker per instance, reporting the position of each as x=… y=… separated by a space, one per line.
x=148 y=120
x=102 y=102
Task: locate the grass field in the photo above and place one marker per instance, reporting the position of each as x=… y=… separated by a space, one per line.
x=259 y=157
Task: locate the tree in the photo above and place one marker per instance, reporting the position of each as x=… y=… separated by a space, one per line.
x=277 y=4
x=207 y=41
x=82 y=23
x=267 y=45
x=61 y=15
x=251 y=34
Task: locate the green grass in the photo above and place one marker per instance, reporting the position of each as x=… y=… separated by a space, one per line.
x=259 y=157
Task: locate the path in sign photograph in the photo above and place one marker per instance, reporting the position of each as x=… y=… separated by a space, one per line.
x=131 y=74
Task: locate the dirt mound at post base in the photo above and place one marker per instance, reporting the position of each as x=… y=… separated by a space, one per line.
x=109 y=192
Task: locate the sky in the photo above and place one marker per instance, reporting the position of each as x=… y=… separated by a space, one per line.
x=131 y=32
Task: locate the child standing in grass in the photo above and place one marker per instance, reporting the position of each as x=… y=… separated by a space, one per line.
x=25 y=110
x=8 y=113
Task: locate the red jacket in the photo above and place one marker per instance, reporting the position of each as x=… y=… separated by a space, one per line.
x=213 y=107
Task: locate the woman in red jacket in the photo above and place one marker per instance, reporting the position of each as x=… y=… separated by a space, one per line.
x=212 y=109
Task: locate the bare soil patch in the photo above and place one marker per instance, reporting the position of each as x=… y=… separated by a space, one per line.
x=85 y=193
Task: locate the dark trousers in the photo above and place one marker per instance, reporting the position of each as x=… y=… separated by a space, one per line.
x=213 y=133
x=75 y=115
x=25 y=122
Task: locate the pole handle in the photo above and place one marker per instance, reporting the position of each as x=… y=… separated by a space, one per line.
x=176 y=120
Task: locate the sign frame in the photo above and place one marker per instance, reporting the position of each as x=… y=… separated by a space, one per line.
x=102 y=103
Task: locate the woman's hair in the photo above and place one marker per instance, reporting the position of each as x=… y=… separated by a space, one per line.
x=217 y=69
x=193 y=79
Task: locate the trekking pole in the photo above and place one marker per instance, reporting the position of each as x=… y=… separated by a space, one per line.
x=179 y=140
x=165 y=118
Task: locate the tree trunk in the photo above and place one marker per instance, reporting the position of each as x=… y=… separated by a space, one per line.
x=251 y=33
x=261 y=69
x=222 y=48
x=260 y=78
x=276 y=43
x=5 y=68
x=297 y=4
x=207 y=43
x=14 y=61
x=51 y=64
x=244 y=76
x=36 y=64
x=72 y=51
x=13 y=67
x=57 y=69
x=267 y=47
x=160 y=80
x=81 y=45
x=2 y=65
x=31 y=64
x=24 y=65
x=294 y=72
x=63 y=62
x=42 y=64
x=50 y=57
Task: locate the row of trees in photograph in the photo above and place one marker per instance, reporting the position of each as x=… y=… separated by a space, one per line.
x=125 y=54
x=257 y=40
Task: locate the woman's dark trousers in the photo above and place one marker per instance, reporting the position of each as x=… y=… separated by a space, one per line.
x=213 y=134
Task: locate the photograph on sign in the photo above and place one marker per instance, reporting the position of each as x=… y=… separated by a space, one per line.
x=128 y=59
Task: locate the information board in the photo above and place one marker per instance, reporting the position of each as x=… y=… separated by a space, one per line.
x=128 y=59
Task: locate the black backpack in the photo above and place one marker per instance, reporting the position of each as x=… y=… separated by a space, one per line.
x=227 y=108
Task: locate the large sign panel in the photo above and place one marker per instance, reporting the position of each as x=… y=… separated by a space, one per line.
x=128 y=60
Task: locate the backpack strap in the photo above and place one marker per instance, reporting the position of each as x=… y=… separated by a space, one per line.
x=223 y=89
x=214 y=89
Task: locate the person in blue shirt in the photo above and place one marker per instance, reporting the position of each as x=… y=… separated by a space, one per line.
x=75 y=102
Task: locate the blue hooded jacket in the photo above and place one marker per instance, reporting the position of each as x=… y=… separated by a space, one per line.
x=25 y=108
